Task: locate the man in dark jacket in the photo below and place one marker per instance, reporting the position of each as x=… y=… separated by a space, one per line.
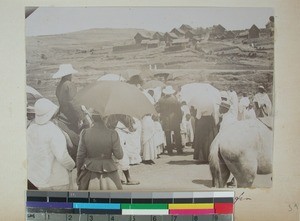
x=65 y=93
x=171 y=115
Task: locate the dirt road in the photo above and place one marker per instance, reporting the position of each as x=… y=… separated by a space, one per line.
x=178 y=173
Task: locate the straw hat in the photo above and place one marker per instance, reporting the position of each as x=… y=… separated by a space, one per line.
x=64 y=70
x=44 y=110
x=168 y=90
x=262 y=87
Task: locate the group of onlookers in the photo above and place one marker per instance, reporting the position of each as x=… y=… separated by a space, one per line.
x=103 y=149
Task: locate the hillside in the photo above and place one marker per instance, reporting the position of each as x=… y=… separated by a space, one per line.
x=222 y=63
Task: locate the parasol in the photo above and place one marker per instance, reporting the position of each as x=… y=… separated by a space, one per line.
x=204 y=97
x=111 y=77
x=114 y=97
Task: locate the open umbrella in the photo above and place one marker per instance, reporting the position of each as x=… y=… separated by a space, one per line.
x=114 y=97
x=153 y=84
x=204 y=97
x=32 y=95
x=111 y=77
x=188 y=91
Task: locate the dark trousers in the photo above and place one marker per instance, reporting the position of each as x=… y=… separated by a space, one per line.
x=177 y=140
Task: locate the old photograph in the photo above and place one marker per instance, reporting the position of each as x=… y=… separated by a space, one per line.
x=149 y=98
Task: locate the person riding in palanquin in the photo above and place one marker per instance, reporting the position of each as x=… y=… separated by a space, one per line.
x=262 y=103
x=65 y=93
x=49 y=162
x=96 y=167
x=171 y=116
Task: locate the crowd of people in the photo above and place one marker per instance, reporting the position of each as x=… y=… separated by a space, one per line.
x=103 y=148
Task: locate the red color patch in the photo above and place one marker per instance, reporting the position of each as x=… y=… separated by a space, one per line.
x=223 y=208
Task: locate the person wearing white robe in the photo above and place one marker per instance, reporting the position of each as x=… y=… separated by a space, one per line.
x=124 y=134
x=234 y=102
x=148 y=139
x=49 y=163
x=228 y=118
x=250 y=113
x=187 y=130
x=243 y=105
x=124 y=163
x=185 y=108
x=262 y=103
x=160 y=139
x=134 y=143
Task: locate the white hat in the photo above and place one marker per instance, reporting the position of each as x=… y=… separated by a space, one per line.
x=224 y=94
x=64 y=70
x=44 y=110
x=168 y=90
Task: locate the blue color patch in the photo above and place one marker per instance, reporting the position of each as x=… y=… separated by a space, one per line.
x=106 y=206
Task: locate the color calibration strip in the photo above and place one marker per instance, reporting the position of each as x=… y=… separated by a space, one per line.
x=134 y=206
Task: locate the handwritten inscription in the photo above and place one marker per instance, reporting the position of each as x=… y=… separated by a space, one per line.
x=293 y=207
x=241 y=197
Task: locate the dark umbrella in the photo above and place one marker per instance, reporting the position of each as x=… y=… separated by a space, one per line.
x=113 y=97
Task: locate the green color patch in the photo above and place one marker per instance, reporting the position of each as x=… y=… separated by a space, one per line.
x=144 y=206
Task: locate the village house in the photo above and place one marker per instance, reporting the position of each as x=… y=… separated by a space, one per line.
x=178 y=32
x=254 y=32
x=182 y=42
x=217 y=30
x=229 y=35
x=196 y=40
x=190 y=34
x=139 y=37
x=158 y=36
x=185 y=28
x=243 y=34
x=153 y=43
x=144 y=43
x=169 y=37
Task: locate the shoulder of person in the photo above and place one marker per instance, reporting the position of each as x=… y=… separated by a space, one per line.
x=68 y=84
x=53 y=128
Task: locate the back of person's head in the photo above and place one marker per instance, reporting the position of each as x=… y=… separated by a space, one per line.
x=151 y=92
x=136 y=80
x=183 y=103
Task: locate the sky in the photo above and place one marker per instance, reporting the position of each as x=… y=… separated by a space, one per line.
x=57 y=20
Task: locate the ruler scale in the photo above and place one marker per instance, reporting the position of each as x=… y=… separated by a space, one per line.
x=130 y=206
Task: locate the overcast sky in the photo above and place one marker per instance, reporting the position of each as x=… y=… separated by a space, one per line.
x=54 y=20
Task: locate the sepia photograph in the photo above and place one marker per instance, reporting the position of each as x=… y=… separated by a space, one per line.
x=149 y=98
